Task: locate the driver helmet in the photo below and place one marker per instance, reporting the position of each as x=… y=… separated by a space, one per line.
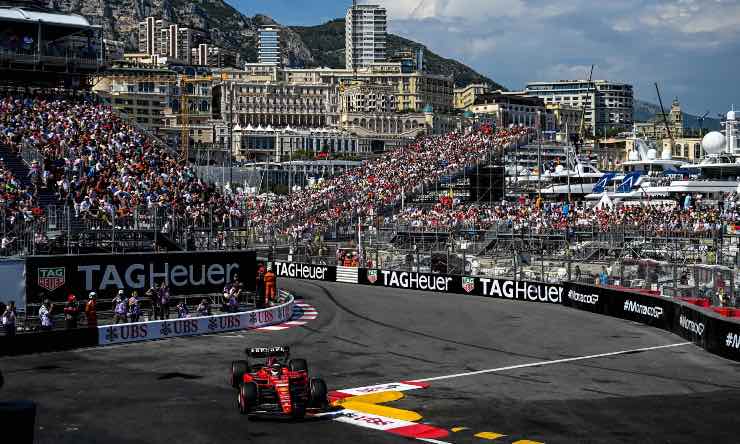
x=275 y=368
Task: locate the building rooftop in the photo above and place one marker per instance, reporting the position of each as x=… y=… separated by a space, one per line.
x=49 y=18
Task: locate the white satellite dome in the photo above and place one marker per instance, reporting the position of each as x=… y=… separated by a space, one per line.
x=652 y=154
x=731 y=115
x=714 y=142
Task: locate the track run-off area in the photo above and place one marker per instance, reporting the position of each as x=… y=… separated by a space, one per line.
x=448 y=368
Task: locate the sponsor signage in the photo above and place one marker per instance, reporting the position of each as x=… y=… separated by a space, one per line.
x=371 y=421
x=51 y=278
x=590 y=299
x=172 y=328
x=305 y=271
x=692 y=324
x=186 y=273
x=477 y=286
x=728 y=338
x=380 y=388
x=702 y=326
x=521 y=290
x=633 y=307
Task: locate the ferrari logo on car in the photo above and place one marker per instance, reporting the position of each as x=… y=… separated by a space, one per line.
x=51 y=278
x=468 y=284
x=372 y=276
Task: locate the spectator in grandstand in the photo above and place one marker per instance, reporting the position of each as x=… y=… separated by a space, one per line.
x=71 y=312
x=120 y=308
x=153 y=295
x=134 y=308
x=164 y=301
x=5 y=245
x=204 y=308
x=182 y=310
x=8 y=319
x=603 y=277
x=45 y=315
x=91 y=310
x=259 y=288
x=231 y=304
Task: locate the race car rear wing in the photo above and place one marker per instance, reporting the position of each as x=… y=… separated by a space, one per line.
x=265 y=352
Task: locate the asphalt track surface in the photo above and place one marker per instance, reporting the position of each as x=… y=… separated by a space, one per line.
x=175 y=391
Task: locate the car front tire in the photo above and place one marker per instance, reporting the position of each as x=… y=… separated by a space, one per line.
x=238 y=369
x=318 y=393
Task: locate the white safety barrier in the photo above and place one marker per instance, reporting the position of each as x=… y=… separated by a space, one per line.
x=172 y=328
x=348 y=275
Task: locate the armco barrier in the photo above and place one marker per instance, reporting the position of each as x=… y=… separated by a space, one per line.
x=442 y=283
x=173 y=328
x=57 y=340
x=700 y=326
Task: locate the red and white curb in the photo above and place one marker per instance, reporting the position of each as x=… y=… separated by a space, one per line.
x=302 y=313
x=394 y=426
x=402 y=386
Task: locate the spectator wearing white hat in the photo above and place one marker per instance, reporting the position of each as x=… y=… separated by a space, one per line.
x=91 y=312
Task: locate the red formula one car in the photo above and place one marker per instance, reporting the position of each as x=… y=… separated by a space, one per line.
x=276 y=385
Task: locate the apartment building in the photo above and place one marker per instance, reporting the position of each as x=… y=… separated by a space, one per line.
x=607 y=105
x=365 y=31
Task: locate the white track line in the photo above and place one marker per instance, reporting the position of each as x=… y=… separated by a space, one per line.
x=557 y=361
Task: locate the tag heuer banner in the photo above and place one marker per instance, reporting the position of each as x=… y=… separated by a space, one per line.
x=54 y=277
x=478 y=286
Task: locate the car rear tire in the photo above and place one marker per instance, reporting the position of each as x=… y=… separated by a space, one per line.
x=298 y=365
x=247 y=397
x=318 y=393
x=238 y=369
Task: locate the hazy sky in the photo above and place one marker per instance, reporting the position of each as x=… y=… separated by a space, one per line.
x=691 y=47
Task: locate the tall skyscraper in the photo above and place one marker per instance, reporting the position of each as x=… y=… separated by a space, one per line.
x=269 y=45
x=365 y=35
x=150 y=31
x=176 y=42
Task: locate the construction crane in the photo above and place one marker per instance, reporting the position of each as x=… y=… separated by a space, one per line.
x=583 y=109
x=665 y=118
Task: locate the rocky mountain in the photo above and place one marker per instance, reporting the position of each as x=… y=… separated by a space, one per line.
x=221 y=24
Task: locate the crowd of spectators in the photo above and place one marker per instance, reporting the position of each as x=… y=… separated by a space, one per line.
x=696 y=216
x=104 y=169
x=376 y=185
x=98 y=164
x=18 y=203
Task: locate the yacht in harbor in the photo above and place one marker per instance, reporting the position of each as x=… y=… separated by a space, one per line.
x=718 y=171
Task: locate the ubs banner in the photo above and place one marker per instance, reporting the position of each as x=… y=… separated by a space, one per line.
x=186 y=273
x=145 y=331
x=477 y=286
